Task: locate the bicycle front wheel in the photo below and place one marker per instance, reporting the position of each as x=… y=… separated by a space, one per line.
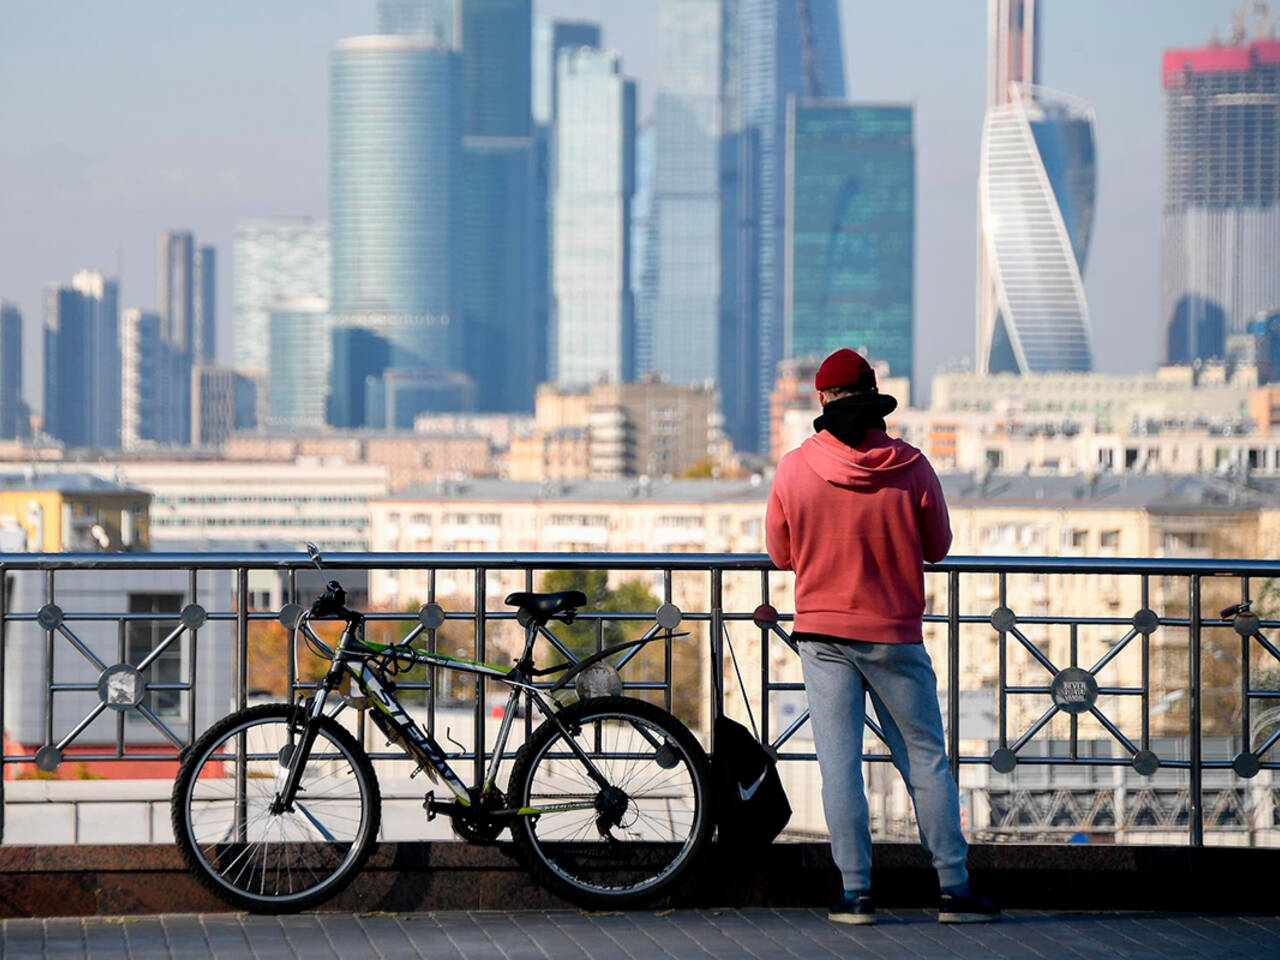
x=617 y=802
x=253 y=856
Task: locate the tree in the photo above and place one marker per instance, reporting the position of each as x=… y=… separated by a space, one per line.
x=631 y=596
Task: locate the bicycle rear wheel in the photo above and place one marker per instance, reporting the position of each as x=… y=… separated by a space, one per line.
x=252 y=857
x=626 y=841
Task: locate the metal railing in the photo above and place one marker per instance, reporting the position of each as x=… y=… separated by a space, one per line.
x=972 y=619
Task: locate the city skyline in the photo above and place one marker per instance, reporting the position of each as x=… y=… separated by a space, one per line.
x=944 y=331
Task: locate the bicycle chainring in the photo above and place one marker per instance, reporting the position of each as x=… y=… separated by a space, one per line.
x=474 y=823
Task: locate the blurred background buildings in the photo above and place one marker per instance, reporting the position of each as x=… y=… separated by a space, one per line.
x=533 y=270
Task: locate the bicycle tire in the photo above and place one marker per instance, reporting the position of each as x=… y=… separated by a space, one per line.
x=547 y=860
x=195 y=851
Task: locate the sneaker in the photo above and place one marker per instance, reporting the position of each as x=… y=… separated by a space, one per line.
x=974 y=908
x=855 y=908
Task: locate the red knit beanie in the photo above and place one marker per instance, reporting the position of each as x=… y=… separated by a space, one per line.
x=844 y=368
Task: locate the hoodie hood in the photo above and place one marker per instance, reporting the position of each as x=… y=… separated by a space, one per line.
x=868 y=465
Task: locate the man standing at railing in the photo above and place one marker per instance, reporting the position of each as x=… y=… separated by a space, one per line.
x=855 y=514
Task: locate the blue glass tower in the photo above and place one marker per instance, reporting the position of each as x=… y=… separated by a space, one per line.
x=496 y=230
x=395 y=131
x=774 y=49
x=850 y=231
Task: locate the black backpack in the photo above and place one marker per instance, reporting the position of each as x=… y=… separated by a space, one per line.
x=751 y=804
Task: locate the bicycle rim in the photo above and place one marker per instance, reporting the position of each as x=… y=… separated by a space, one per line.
x=275 y=858
x=627 y=843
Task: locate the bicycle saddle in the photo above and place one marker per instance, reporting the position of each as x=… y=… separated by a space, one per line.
x=543 y=606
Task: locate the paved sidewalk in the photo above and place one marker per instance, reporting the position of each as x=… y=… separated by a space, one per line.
x=569 y=935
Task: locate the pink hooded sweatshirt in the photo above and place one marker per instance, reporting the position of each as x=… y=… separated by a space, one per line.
x=856 y=525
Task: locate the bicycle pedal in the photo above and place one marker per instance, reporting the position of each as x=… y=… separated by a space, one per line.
x=429 y=805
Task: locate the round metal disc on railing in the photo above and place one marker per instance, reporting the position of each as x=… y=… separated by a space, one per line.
x=193 y=616
x=1074 y=690
x=48 y=758
x=1245 y=624
x=1145 y=762
x=765 y=615
x=1246 y=765
x=668 y=616
x=1004 y=760
x=121 y=687
x=1146 y=621
x=431 y=615
x=49 y=616
x=1003 y=619
x=290 y=615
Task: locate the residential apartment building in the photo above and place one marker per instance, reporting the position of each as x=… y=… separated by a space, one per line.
x=249 y=502
x=408 y=459
x=647 y=428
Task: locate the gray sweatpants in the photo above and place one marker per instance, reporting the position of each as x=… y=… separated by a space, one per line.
x=900 y=680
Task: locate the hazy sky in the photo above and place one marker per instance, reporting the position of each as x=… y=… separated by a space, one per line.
x=124 y=118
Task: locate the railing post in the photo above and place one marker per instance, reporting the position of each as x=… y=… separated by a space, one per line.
x=4 y=612
x=480 y=655
x=1196 y=813
x=242 y=700
x=953 y=674
x=717 y=650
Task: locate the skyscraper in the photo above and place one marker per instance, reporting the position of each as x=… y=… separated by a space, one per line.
x=395 y=136
x=498 y=255
x=549 y=39
x=204 y=336
x=82 y=361
x=644 y=249
x=1220 y=228
x=301 y=358
x=436 y=20
x=774 y=49
x=496 y=68
x=152 y=375
x=685 y=336
x=283 y=257
x=175 y=288
x=13 y=415
x=1036 y=186
x=595 y=156
x=850 y=231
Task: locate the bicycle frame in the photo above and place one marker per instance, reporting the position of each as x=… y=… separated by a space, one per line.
x=351 y=659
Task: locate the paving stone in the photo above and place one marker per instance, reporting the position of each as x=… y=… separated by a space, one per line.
x=754 y=933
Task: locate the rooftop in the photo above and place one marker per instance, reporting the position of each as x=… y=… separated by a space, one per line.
x=1157 y=492
x=64 y=483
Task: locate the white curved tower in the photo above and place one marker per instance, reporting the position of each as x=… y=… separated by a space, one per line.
x=1036 y=186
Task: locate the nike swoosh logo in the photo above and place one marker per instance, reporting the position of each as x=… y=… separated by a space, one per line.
x=748 y=793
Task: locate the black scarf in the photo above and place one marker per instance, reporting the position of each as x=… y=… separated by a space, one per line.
x=849 y=418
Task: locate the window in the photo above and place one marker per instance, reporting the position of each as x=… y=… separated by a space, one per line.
x=143 y=636
x=1109 y=539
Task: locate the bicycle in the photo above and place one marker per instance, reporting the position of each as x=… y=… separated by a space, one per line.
x=276 y=808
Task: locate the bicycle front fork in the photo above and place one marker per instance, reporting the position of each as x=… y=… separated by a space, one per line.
x=301 y=751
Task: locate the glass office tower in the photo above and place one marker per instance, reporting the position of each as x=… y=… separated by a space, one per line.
x=82 y=361
x=1036 y=184
x=272 y=259
x=684 y=341
x=595 y=151
x=1220 y=226
x=497 y=238
x=301 y=358
x=850 y=231
x=13 y=415
x=774 y=49
x=395 y=130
